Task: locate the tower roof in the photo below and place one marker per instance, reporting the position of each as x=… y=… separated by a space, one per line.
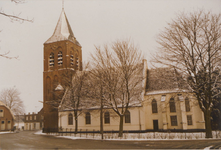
x=62 y=31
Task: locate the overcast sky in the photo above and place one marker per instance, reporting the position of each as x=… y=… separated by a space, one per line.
x=94 y=22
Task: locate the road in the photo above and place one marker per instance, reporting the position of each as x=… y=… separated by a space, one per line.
x=28 y=140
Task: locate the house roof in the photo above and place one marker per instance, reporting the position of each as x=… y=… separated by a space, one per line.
x=3 y=104
x=63 y=31
x=165 y=80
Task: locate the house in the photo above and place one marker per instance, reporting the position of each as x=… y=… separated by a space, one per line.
x=6 y=118
x=34 y=121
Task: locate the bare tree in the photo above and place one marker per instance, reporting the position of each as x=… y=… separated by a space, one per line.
x=121 y=67
x=192 y=44
x=75 y=96
x=11 y=98
x=98 y=92
x=13 y=17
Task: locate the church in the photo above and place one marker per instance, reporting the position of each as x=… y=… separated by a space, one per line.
x=167 y=103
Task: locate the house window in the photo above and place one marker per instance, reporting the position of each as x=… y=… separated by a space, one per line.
x=9 y=122
x=189 y=120
x=30 y=117
x=187 y=104
x=60 y=60
x=51 y=60
x=172 y=105
x=154 y=106
x=1 y=113
x=3 y=122
x=88 y=118
x=106 y=117
x=173 y=120
x=34 y=117
x=70 y=119
x=26 y=117
x=127 y=117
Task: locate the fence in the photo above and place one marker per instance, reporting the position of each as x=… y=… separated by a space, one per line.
x=95 y=134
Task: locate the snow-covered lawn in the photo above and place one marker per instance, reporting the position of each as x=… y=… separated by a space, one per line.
x=137 y=136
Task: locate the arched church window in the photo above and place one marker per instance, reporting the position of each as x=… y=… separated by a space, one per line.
x=70 y=119
x=71 y=58
x=60 y=60
x=51 y=60
x=127 y=117
x=106 y=117
x=187 y=104
x=172 y=105
x=88 y=118
x=154 y=106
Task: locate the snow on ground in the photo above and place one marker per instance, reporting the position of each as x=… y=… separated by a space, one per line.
x=40 y=133
x=7 y=132
x=207 y=148
x=136 y=136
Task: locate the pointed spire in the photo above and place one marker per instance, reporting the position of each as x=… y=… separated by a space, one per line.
x=62 y=31
x=62 y=4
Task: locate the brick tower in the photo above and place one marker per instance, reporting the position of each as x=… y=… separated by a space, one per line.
x=62 y=53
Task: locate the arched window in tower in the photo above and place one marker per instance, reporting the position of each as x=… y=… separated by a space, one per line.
x=77 y=60
x=70 y=119
x=172 y=105
x=71 y=58
x=106 y=117
x=60 y=60
x=187 y=104
x=88 y=118
x=51 y=60
x=127 y=116
x=154 y=106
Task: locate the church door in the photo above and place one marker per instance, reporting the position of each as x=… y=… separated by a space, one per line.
x=155 y=125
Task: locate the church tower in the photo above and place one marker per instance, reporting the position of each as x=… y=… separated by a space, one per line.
x=62 y=53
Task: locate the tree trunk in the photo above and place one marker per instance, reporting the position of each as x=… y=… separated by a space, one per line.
x=121 y=126
x=208 y=124
x=76 y=122
x=101 y=123
x=101 y=113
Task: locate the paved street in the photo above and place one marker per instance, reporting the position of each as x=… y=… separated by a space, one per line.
x=27 y=140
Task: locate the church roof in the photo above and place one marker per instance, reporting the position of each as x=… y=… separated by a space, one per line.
x=165 y=79
x=63 y=31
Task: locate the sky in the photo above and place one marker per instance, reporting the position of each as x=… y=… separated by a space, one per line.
x=93 y=22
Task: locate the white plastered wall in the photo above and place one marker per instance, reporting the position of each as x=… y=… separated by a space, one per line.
x=136 y=116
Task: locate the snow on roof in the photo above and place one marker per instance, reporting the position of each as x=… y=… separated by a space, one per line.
x=63 y=31
x=166 y=91
x=59 y=88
